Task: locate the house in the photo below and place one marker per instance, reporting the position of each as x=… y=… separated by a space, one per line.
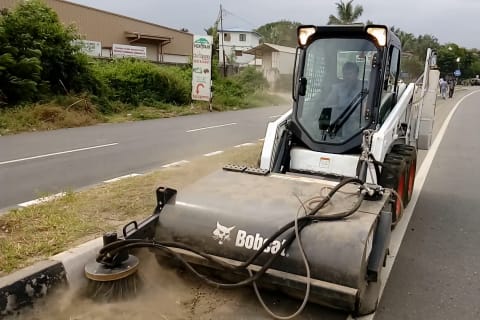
x=111 y=32
x=234 y=42
x=277 y=62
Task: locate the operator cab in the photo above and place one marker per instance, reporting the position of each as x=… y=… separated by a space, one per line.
x=346 y=82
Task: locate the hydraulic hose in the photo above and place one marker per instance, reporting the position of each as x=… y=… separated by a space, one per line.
x=108 y=252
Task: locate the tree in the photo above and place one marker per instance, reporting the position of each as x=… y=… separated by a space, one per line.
x=19 y=70
x=347 y=13
x=213 y=31
x=38 y=55
x=282 y=32
x=407 y=39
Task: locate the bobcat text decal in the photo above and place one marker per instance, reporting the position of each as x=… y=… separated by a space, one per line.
x=247 y=241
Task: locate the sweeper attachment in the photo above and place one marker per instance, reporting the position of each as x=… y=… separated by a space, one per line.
x=234 y=221
x=336 y=171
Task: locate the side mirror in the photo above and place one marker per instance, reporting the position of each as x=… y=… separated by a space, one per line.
x=302 y=86
x=324 y=119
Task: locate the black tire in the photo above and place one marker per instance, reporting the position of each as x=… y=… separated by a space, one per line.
x=393 y=176
x=410 y=155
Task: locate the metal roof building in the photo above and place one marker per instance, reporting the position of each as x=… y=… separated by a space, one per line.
x=162 y=44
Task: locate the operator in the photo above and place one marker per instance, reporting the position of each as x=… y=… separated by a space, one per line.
x=343 y=93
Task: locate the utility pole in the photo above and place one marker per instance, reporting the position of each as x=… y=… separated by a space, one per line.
x=222 y=35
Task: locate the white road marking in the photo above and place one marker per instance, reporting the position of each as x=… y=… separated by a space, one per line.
x=212 y=127
x=175 y=164
x=41 y=200
x=244 y=145
x=401 y=228
x=212 y=153
x=58 y=153
x=122 y=177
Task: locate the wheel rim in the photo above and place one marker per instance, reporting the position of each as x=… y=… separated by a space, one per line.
x=400 y=192
x=411 y=178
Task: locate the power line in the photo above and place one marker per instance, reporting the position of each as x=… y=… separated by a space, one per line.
x=227 y=12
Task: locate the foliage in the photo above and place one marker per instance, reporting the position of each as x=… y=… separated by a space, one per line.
x=138 y=82
x=282 y=32
x=234 y=90
x=414 y=52
x=63 y=112
x=212 y=31
x=447 y=55
x=347 y=13
x=37 y=55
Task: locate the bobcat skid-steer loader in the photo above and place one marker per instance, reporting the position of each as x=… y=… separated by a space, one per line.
x=314 y=220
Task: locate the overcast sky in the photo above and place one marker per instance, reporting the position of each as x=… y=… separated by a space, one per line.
x=448 y=20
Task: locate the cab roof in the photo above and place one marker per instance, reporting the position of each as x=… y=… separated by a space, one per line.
x=351 y=30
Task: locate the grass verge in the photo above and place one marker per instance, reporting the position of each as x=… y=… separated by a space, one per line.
x=71 y=111
x=37 y=232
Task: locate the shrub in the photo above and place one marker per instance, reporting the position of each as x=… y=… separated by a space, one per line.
x=37 y=55
x=139 y=82
x=233 y=91
x=251 y=79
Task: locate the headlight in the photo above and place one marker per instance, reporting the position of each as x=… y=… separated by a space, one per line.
x=304 y=33
x=378 y=33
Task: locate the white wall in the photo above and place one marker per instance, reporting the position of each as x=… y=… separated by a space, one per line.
x=285 y=62
x=234 y=43
x=171 y=58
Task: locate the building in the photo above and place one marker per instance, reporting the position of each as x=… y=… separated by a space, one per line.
x=234 y=44
x=277 y=61
x=111 y=31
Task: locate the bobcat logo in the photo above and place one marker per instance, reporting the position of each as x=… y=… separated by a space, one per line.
x=222 y=233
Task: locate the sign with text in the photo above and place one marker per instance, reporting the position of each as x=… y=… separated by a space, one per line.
x=91 y=48
x=201 y=67
x=122 y=50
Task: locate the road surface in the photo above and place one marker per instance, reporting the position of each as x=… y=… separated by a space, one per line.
x=34 y=164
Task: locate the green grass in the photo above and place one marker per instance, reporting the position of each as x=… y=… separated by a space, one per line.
x=42 y=230
x=54 y=223
x=49 y=116
x=71 y=111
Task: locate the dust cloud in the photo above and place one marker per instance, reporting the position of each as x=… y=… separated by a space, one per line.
x=166 y=293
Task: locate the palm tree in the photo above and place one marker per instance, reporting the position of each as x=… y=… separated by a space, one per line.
x=407 y=40
x=347 y=13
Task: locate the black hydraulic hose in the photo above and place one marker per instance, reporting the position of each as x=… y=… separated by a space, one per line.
x=375 y=165
x=332 y=192
x=319 y=206
x=109 y=251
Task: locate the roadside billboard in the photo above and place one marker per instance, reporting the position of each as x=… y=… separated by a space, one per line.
x=202 y=67
x=91 y=48
x=122 y=50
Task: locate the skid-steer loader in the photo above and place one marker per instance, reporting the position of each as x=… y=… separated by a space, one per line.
x=335 y=172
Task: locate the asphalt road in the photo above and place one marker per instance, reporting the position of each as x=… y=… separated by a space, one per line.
x=34 y=164
x=436 y=274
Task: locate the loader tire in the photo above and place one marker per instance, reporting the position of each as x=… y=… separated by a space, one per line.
x=410 y=155
x=393 y=176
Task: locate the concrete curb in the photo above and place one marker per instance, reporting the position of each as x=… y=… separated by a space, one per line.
x=24 y=287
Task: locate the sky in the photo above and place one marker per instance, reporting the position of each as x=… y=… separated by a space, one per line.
x=450 y=21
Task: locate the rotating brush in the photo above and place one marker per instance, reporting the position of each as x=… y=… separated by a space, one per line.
x=116 y=280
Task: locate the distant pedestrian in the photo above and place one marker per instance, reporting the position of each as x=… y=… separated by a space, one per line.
x=443 y=88
x=451 y=87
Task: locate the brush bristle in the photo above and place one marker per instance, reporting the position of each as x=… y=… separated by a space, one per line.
x=110 y=291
